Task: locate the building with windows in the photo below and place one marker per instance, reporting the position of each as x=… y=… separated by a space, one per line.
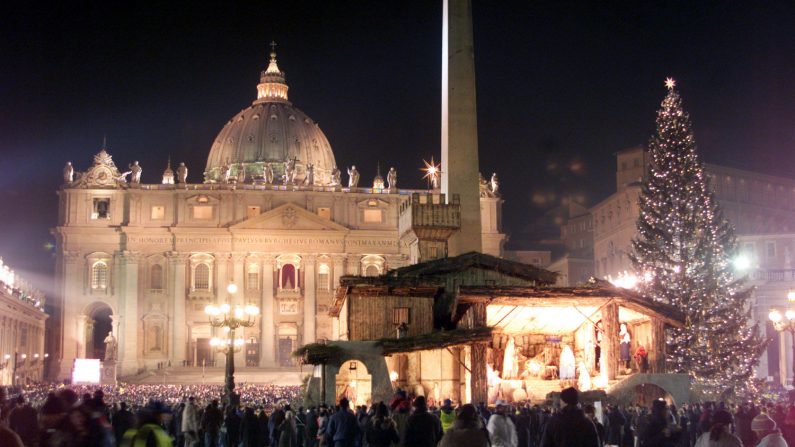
x=761 y=208
x=22 y=318
x=271 y=216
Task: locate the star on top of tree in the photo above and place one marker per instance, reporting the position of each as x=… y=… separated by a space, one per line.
x=670 y=83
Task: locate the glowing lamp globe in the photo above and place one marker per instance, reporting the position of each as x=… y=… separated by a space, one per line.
x=791 y=296
x=775 y=316
x=790 y=314
x=231 y=288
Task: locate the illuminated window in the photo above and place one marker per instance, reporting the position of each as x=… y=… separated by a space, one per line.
x=252 y=279
x=401 y=315
x=156 y=277
x=324 y=213
x=323 y=277
x=252 y=211
x=203 y=212
x=99 y=276
x=373 y=216
x=201 y=277
x=771 y=249
x=101 y=209
x=158 y=212
x=372 y=270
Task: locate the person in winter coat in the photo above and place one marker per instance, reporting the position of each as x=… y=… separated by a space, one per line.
x=23 y=420
x=719 y=434
x=381 y=430
x=232 y=425
x=615 y=422
x=249 y=429
x=310 y=431
x=522 y=423
x=657 y=431
x=124 y=420
x=502 y=431
x=466 y=431
x=190 y=423
x=211 y=424
x=569 y=426
x=590 y=413
x=767 y=432
x=263 y=435
x=288 y=436
x=423 y=429
x=343 y=428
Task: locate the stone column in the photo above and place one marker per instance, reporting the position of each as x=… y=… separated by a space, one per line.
x=267 y=350
x=71 y=283
x=609 y=354
x=337 y=271
x=128 y=343
x=179 y=331
x=82 y=328
x=310 y=300
x=236 y=275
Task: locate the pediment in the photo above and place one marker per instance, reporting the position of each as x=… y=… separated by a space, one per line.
x=288 y=217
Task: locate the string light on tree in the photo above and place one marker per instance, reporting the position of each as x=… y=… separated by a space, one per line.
x=688 y=249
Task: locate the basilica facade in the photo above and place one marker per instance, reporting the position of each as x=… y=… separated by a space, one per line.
x=274 y=216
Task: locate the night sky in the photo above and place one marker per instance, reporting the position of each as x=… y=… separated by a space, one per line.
x=561 y=87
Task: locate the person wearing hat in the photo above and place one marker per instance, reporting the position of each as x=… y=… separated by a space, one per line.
x=502 y=431
x=569 y=426
x=719 y=434
x=150 y=431
x=767 y=431
x=423 y=429
x=447 y=415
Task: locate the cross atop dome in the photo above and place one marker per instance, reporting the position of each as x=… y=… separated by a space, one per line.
x=272 y=86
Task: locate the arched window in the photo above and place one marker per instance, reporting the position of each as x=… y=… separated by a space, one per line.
x=252 y=278
x=99 y=276
x=323 y=277
x=372 y=270
x=201 y=277
x=156 y=277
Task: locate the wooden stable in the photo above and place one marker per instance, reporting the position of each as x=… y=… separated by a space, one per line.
x=445 y=305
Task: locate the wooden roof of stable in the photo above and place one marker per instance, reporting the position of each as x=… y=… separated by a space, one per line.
x=427 y=279
x=434 y=340
x=596 y=293
x=444 y=266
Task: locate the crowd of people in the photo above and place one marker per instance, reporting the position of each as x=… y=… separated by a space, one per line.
x=268 y=415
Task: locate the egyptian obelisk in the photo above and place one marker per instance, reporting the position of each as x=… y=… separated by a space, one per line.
x=459 y=124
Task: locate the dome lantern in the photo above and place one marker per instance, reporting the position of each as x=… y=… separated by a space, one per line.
x=272 y=85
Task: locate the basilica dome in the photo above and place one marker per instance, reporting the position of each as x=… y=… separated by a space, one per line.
x=269 y=133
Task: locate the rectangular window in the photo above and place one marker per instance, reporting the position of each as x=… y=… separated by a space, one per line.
x=158 y=212
x=433 y=252
x=373 y=216
x=322 y=281
x=771 y=249
x=203 y=212
x=252 y=211
x=401 y=315
x=324 y=213
x=101 y=209
x=252 y=282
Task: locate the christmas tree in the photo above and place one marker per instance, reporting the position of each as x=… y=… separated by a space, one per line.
x=683 y=251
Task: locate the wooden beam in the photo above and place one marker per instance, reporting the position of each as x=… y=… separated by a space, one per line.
x=609 y=355
x=479 y=385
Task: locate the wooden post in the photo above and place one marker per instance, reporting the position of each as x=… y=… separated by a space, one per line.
x=479 y=383
x=657 y=348
x=609 y=356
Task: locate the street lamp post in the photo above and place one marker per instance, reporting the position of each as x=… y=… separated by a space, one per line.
x=786 y=322
x=231 y=318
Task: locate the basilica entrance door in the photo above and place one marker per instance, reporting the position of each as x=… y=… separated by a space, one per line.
x=203 y=352
x=286 y=351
